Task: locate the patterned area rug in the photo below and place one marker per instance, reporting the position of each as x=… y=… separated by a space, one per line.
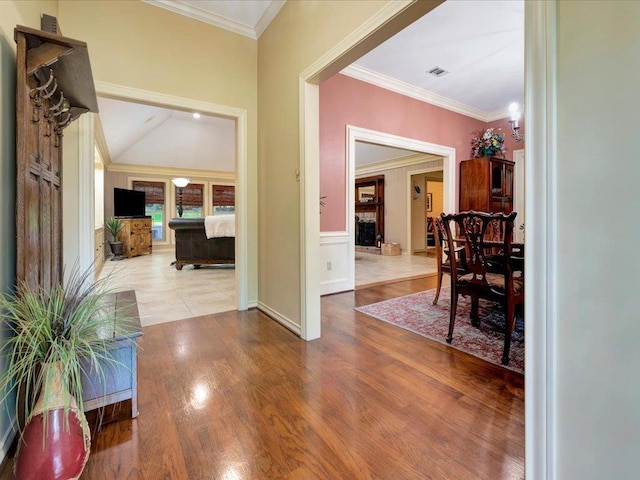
x=417 y=314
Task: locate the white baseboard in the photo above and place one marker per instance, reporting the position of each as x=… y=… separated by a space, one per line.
x=252 y=304
x=281 y=319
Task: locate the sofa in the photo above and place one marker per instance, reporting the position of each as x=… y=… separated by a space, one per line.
x=194 y=248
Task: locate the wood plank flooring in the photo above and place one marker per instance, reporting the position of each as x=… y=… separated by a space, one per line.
x=236 y=396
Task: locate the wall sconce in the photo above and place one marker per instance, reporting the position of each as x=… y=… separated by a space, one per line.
x=180 y=183
x=515 y=116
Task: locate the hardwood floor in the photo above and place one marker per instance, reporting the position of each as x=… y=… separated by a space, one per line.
x=236 y=396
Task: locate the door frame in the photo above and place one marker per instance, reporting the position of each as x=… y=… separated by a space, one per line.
x=355 y=134
x=162 y=100
x=518 y=193
x=541 y=175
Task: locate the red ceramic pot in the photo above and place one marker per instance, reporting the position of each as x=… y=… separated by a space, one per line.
x=55 y=442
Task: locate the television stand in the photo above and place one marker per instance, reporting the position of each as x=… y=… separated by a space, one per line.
x=136 y=236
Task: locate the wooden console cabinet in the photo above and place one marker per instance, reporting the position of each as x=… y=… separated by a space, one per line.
x=486 y=185
x=136 y=236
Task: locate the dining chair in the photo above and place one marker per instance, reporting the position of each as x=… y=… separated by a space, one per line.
x=488 y=240
x=443 y=261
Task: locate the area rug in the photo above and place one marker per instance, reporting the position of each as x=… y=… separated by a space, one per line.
x=417 y=314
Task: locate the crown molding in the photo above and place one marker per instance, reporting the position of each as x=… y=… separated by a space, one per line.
x=268 y=15
x=205 y=16
x=388 y=83
x=398 y=162
x=169 y=171
x=498 y=114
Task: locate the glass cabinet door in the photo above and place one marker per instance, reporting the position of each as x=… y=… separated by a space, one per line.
x=497 y=178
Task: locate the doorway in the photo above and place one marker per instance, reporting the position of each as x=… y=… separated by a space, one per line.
x=437 y=157
x=540 y=20
x=426 y=200
x=240 y=117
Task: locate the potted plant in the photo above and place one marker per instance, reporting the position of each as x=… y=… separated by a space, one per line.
x=489 y=143
x=56 y=335
x=114 y=225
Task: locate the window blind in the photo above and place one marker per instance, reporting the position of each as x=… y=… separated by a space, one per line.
x=224 y=195
x=154 y=191
x=192 y=195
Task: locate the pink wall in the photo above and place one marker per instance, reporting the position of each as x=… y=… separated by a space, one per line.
x=347 y=101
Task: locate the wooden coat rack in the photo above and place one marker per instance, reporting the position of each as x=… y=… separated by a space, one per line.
x=54 y=87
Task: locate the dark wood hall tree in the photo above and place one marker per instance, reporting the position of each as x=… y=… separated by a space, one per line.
x=54 y=87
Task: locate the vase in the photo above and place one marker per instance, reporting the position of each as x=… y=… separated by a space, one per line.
x=55 y=442
x=117 y=248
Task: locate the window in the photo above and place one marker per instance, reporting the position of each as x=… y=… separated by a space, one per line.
x=154 y=205
x=224 y=199
x=192 y=200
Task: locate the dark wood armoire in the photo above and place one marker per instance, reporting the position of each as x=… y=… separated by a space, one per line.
x=486 y=185
x=54 y=87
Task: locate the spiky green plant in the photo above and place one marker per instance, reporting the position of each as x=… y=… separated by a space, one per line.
x=113 y=225
x=69 y=324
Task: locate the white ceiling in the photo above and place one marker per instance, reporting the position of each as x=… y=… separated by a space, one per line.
x=246 y=17
x=146 y=135
x=480 y=44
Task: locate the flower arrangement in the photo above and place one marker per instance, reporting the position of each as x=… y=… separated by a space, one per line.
x=489 y=143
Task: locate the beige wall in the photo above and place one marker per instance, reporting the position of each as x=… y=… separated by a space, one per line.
x=295 y=39
x=299 y=36
x=11 y=14
x=596 y=271
x=134 y=44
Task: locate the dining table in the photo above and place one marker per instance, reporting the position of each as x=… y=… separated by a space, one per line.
x=517 y=251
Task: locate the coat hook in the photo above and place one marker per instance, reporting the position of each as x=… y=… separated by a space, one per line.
x=55 y=107
x=64 y=108
x=46 y=85
x=63 y=123
x=47 y=94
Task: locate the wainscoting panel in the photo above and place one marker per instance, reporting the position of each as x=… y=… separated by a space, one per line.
x=336 y=262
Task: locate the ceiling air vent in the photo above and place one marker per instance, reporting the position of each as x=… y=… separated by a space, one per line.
x=437 y=72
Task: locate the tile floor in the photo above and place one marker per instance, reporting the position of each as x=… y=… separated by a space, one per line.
x=165 y=294
x=373 y=269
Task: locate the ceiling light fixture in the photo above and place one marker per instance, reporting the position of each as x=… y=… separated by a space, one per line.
x=196 y=115
x=514 y=109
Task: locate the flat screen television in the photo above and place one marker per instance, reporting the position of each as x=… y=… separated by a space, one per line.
x=128 y=203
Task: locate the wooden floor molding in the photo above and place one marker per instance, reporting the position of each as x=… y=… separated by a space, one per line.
x=236 y=395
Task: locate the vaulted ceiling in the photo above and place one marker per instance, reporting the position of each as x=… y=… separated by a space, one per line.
x=479 y=44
